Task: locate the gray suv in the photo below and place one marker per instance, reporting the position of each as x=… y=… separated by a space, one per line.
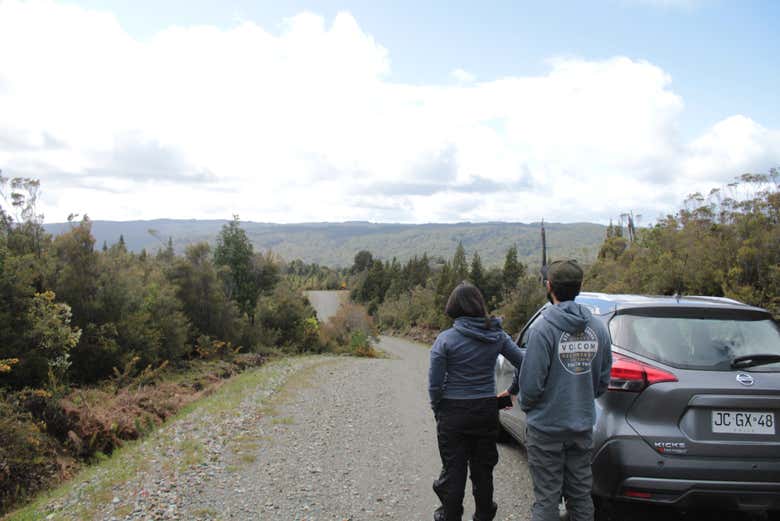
x=690 y=418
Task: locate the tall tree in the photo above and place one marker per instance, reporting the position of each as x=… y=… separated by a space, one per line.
x=363 y=261
x=514 y=270
x=477 y=273
x=202 y=295
x=235 y=253
x=76 y=271
x=460 y=266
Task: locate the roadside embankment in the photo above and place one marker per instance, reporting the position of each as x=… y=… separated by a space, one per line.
x=144 y=479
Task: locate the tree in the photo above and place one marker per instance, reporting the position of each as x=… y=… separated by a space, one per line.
x=460 y=267
x=202 y=295
x=444 y=286
x=76 y=271
x=235 y=253
x=477 y=273
x=363 y=261
x=51 y=336
x=513 y=269
x=724 y=244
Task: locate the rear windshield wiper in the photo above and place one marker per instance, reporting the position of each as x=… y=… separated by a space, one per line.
x=742 y=362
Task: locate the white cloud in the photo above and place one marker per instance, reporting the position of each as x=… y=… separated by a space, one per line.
x=306 y=125
x=462 y=76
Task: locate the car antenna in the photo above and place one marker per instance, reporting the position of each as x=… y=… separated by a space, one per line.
x=544 y=253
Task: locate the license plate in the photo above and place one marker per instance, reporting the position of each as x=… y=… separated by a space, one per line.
x=743 y=422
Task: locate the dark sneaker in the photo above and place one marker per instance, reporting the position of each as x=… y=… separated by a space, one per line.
x=489 y=516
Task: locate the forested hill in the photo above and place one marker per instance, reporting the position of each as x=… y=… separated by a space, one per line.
x=335 y=244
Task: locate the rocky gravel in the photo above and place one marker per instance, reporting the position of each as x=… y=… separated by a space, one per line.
x=353 y=441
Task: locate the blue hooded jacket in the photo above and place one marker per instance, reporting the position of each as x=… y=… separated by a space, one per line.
x=567 y=366
x=463 y=360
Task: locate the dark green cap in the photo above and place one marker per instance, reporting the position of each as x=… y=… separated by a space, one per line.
x=564 y=272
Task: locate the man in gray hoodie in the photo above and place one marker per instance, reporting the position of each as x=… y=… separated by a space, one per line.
x=566 y=367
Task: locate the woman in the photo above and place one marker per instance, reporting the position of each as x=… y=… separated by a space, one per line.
x=461 y=384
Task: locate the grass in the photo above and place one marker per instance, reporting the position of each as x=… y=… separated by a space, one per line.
x=95 y=485
x=192 y=453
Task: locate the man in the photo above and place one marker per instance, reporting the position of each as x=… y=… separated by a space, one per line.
x=566 y=367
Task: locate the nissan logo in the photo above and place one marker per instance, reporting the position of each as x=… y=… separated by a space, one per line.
x=745 y=379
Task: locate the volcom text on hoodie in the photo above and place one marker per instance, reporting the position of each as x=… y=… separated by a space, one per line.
x=567 y=366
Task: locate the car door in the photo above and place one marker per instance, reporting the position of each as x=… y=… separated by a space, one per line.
x=513 y=419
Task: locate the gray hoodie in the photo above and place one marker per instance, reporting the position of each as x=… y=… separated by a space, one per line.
x=567 y=366
x=463 y=360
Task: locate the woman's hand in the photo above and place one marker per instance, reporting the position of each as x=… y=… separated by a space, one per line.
x=506 y=393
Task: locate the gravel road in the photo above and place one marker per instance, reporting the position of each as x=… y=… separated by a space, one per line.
x=326 y=303
x=354 y=440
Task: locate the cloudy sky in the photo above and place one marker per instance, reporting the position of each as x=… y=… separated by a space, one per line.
x=333 y=111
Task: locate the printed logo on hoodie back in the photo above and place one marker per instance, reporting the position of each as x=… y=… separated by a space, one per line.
x=576 y=351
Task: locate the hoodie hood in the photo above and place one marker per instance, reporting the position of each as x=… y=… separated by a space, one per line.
x=568 y=316
x=473 y=327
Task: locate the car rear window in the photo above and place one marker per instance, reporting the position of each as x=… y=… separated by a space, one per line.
x=696 y=343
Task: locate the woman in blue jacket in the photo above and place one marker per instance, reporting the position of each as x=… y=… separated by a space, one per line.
x=462 y=388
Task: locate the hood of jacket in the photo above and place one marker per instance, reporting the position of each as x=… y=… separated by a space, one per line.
x=473 y=327
x=568 y=316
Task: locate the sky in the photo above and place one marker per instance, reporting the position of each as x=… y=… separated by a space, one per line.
x=403 y=112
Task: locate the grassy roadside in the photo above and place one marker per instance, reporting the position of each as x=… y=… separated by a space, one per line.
x=94 y=487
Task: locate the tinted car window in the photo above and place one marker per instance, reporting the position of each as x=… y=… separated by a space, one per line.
x=696 y=343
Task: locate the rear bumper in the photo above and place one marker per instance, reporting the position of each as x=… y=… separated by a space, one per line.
x=629 y=469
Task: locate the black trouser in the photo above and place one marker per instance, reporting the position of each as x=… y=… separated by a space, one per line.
x=467 y=431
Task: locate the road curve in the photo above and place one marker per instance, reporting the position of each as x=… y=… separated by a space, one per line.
x=326 y=303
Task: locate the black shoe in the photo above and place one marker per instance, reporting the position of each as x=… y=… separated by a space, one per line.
x=438 y=514
x=488 y=517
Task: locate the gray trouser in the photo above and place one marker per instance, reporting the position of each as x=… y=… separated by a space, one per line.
x=560 y=466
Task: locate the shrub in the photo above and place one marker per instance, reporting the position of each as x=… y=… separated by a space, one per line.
x=28 y=458
x=350 y=331
x=415 y=309
x=286 y=319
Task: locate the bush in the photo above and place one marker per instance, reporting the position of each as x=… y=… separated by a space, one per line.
x=350 y=331
x=28 y=457
x=414 y=309
x=286 y=319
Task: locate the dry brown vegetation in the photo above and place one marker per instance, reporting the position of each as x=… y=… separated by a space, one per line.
x=45 y=438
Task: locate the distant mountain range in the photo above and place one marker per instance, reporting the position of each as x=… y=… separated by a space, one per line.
x=335 y=244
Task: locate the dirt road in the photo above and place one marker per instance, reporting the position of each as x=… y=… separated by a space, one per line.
x=326 y=303
x=355 y=440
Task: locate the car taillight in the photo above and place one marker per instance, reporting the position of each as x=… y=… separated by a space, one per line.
x=634 y=376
